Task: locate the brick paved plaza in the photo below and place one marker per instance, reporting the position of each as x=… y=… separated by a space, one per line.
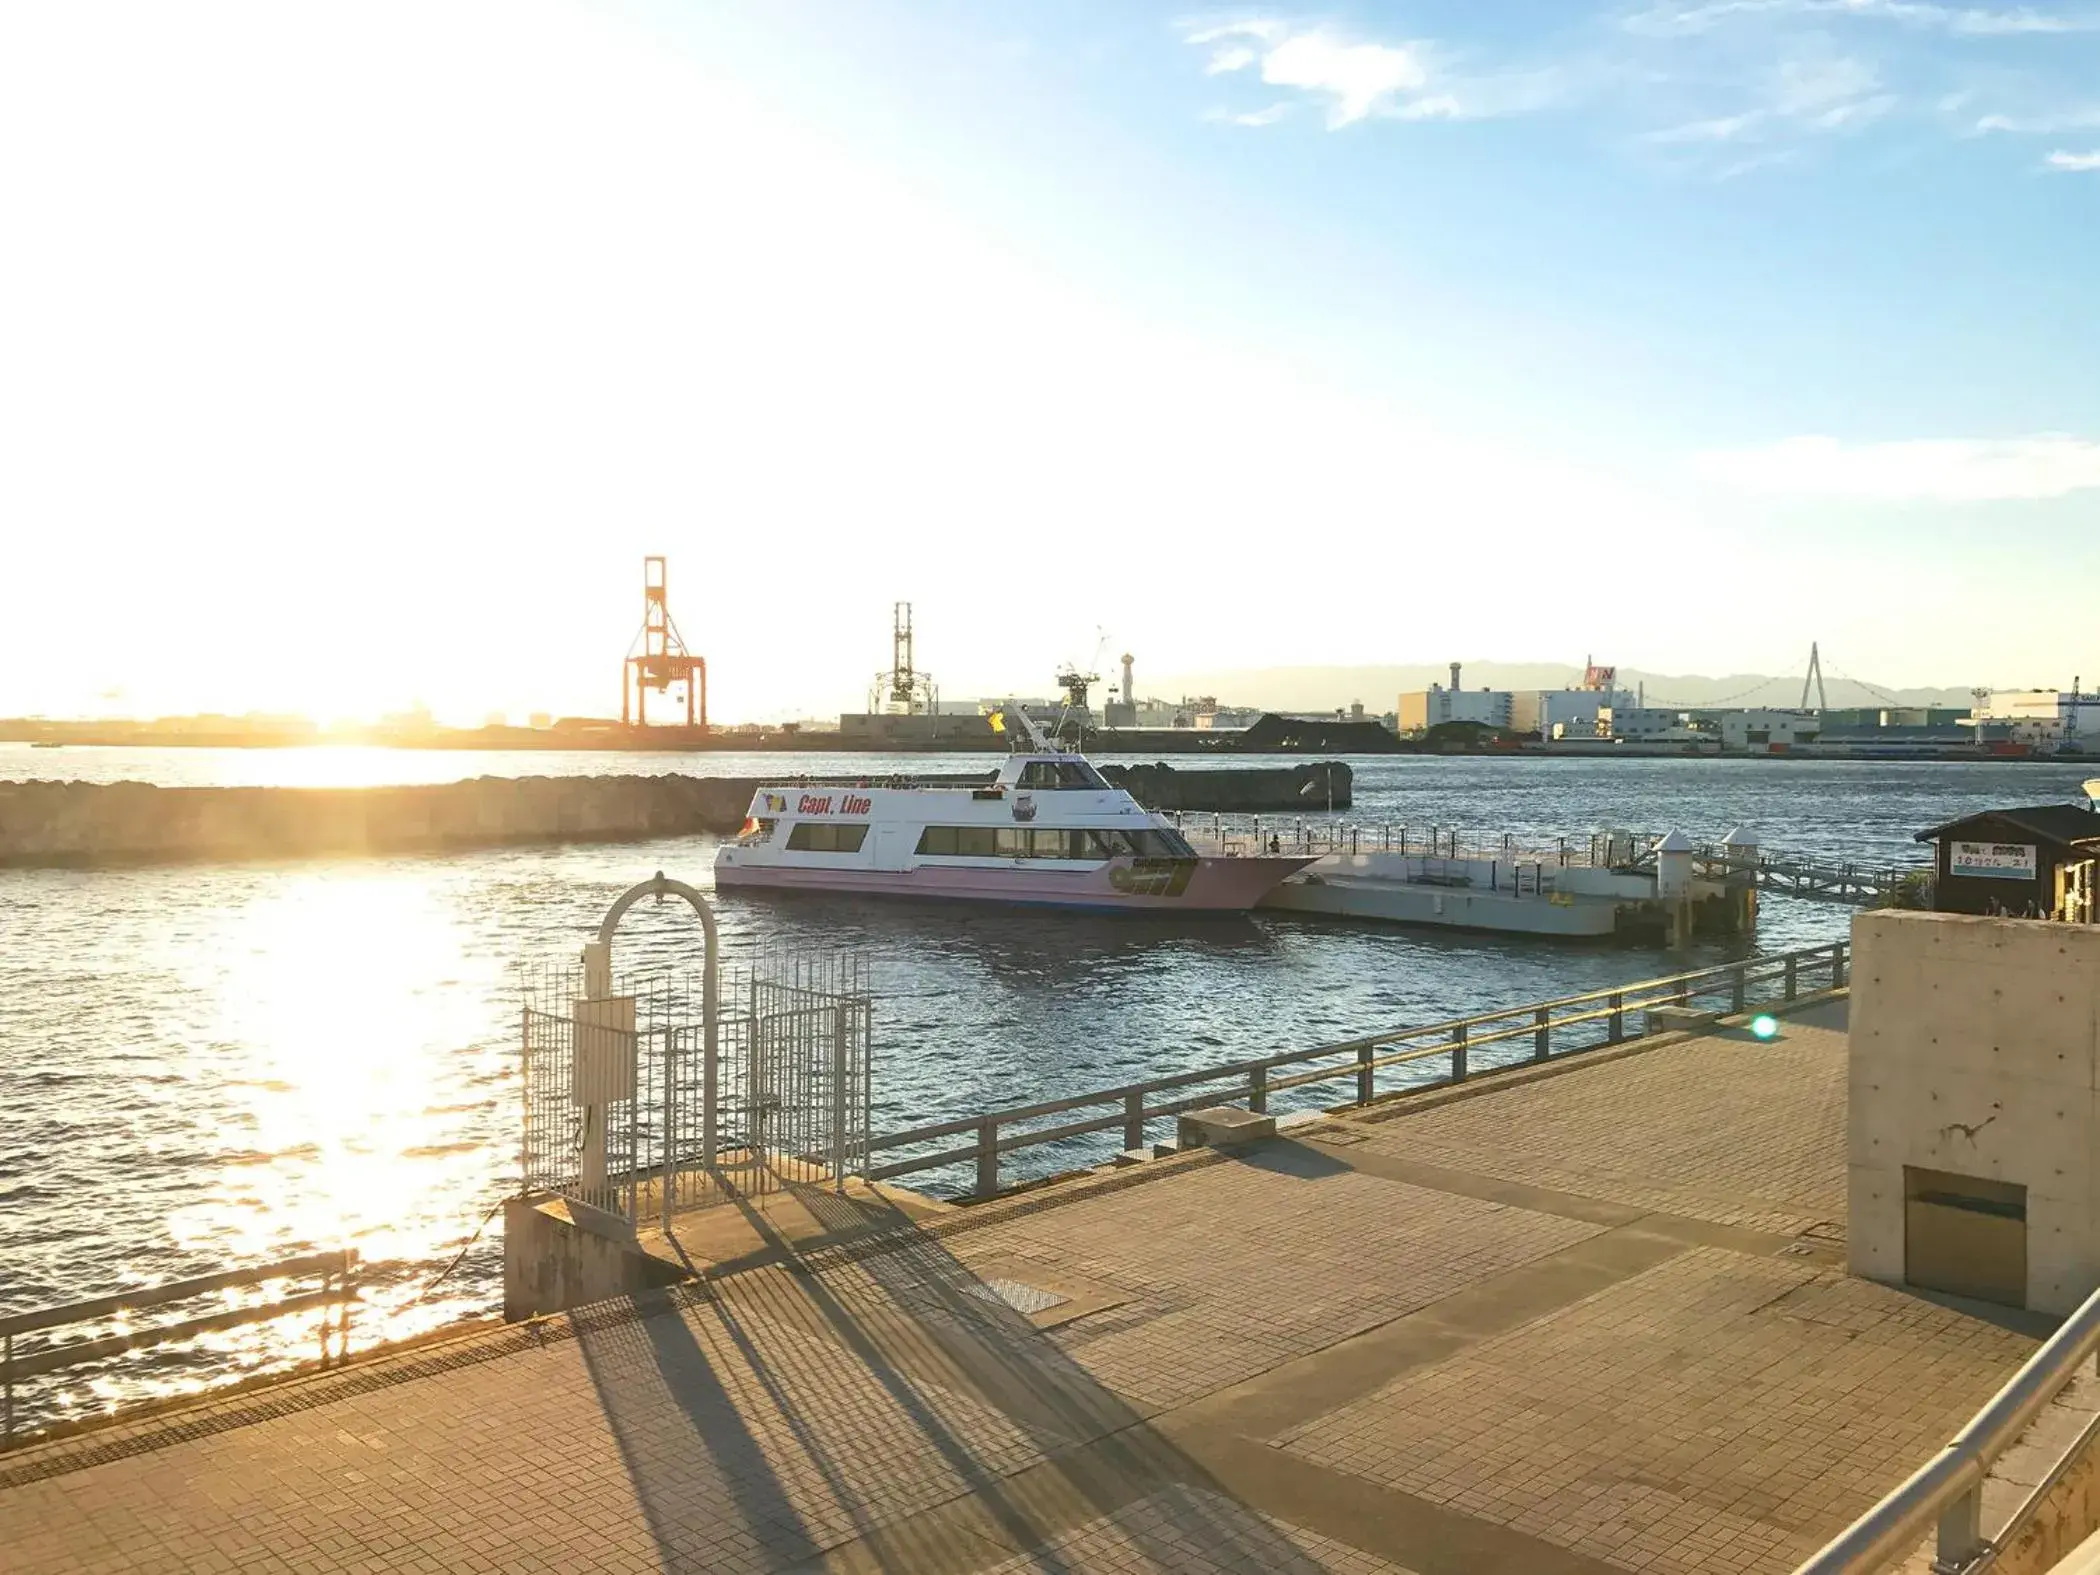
x=1594 y=1321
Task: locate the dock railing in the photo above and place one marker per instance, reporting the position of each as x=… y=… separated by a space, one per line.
x=1433 y=1055
x=1243 y=835
x=1945 y=1495
x=335 y=1273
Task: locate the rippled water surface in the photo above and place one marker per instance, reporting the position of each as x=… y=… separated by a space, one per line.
x=204 y=1067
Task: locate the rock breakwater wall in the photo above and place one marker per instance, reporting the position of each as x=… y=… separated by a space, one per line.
x=87 y=825
x=1237 y=790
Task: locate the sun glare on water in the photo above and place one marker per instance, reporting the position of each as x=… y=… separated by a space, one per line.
x=340 y=990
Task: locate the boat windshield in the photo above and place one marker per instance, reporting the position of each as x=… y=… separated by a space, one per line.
x=1054 y=774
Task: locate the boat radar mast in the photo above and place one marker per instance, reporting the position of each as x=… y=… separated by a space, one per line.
x=1027 y=737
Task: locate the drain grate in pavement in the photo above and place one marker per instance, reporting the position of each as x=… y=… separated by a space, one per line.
x=1025 y=1299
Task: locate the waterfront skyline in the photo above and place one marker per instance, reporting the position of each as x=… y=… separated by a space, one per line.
x=356 y=355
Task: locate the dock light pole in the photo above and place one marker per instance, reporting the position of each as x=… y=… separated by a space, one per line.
x=597 y=973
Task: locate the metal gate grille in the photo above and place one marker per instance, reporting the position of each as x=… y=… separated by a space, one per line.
x=619 y=1115
x=797 y=1083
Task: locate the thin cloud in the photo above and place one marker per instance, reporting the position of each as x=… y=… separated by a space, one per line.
x=2044 y=125
x=2077 y=162
x=1801 y=98
x=1675 y=17
x=1722 y=128
x=1926 y=470
x=1256 y=117
x=1356 y=79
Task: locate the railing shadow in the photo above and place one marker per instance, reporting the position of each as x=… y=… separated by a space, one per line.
x=873 y=1392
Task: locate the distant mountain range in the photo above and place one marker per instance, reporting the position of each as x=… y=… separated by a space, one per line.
x=1316 y=689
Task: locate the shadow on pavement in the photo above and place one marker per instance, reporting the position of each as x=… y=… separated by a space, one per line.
x=875 y=1406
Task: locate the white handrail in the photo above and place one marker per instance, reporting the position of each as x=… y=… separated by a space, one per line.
x=1947 y=1490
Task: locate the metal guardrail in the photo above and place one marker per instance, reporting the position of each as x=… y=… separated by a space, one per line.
x=1252 y=834
x=1598 y=1018
x=1946 y=1492
x=336 y=1272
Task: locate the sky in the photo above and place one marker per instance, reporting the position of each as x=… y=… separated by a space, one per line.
x=352 y=356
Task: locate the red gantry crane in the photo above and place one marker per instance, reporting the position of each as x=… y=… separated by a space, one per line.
x=659 y=659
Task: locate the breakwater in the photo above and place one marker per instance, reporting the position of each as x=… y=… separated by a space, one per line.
x=69 y=825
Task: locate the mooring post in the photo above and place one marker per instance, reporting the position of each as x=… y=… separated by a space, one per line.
x=1365 y=1071
x=1738 y=989
x=1793 y=977
x=1134 y=1119
x=1837 y=966
x=1258 y=1090
x=1616 y=1023
x=7 y=1389
x=1541 y=1035
x=987 y=1158
x=1458 y=1054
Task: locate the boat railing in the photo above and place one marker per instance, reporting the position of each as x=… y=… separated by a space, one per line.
x=1081 y=1126
x=1243 y=836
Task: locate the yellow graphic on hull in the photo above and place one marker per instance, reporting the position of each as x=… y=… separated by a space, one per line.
x=1153 y=877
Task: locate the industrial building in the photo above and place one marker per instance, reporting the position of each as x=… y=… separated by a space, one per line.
x=1569 y=712
x=1766 y=729
x=2042 y=718
x=1421 y=709
x=1566 y=713
x=1647 y=724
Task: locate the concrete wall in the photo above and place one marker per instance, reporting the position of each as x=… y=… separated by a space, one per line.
x=1975 y=1045
x=557 y=1256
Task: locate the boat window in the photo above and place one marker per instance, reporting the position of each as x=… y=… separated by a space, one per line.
x=1018 y=842
x=817 y=836
x=1154 y=843
x=1055 y=774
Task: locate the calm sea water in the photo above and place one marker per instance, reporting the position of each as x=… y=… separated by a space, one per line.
x=220 y=1065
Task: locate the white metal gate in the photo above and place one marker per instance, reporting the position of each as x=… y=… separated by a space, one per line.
x=625 y=1111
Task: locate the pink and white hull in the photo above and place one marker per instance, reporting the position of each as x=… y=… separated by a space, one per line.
x=1208 y=886
x=1047 y=830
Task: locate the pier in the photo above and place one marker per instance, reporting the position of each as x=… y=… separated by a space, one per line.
x=1561 y=1317
x=1602 y=887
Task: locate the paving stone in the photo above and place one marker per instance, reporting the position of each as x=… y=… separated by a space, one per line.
x=1717 y=1405
x=1676 y=1408
x=1722 y=1128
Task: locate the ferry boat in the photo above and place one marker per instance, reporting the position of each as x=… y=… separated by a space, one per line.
x=1047 y=830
